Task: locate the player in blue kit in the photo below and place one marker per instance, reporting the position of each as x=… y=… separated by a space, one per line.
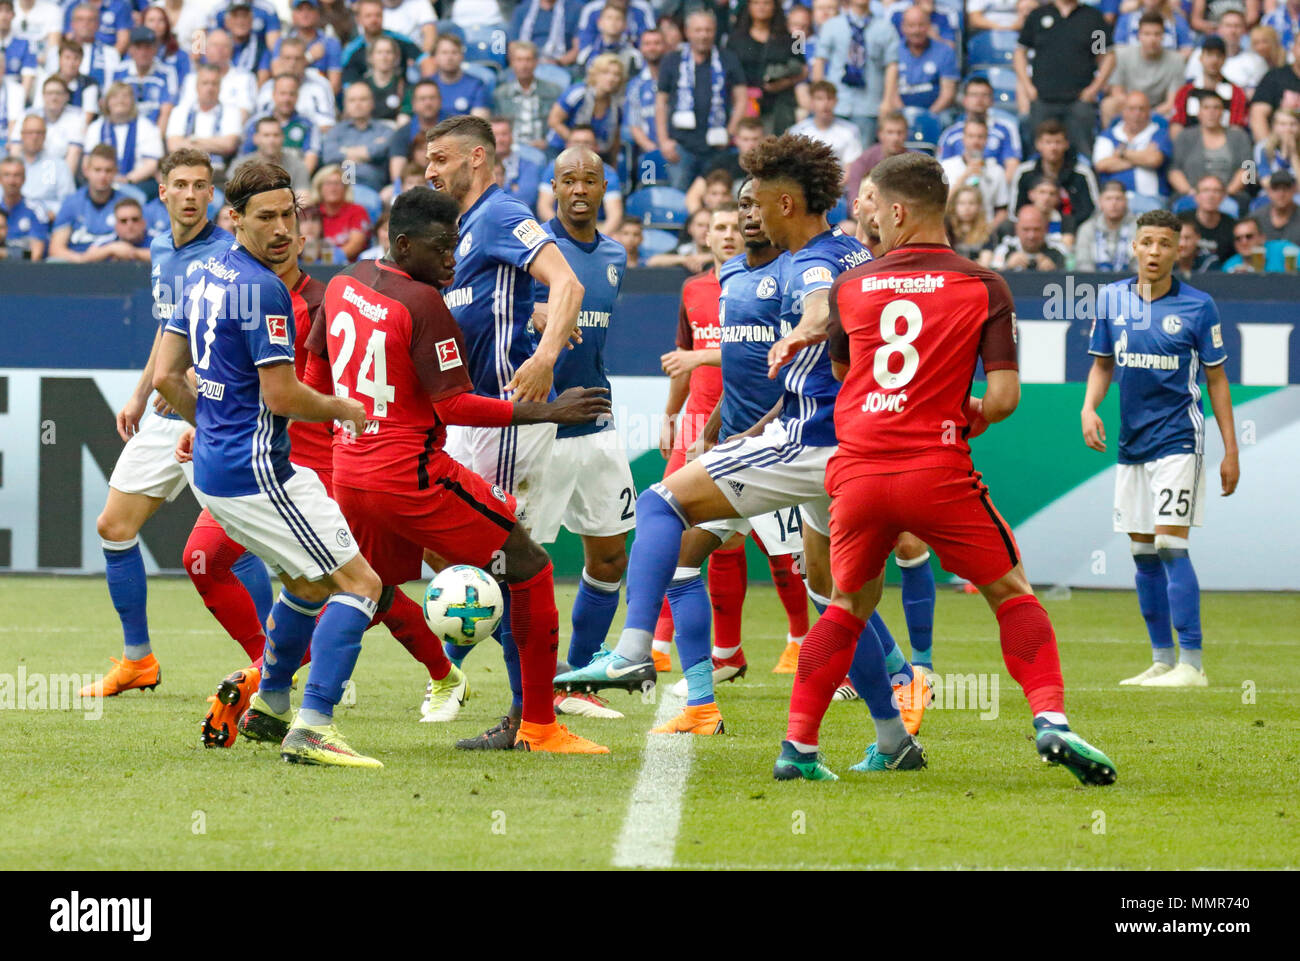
x=502 y=250
x=147 y=474
x=237 y=331
x=589 y=482
x=1154 y=334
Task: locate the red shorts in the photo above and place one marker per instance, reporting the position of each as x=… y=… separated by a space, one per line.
x=460 y=517
x=946 y=507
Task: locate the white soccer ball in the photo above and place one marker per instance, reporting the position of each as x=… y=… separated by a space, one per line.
x=463 y=605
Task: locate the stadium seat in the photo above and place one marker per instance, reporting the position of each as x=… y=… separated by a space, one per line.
x=449 y=26
x=657 y=242
x=218 y=201
x=554 y=73
x=483 y=71
x=368 y=198
x=991 y=48
x=923 y=130
x=1003 y=80
x=652 y=169
x=1139 y=204
x=487 y=45
x=663 y=207
x=1188 y=203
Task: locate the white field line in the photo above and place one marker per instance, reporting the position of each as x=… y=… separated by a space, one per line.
x=654 y=813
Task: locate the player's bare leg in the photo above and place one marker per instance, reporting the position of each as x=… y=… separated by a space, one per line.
x=1181 y=609
x=604 y=564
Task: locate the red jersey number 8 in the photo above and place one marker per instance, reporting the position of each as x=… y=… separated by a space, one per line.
x=372 y=378
x=897 y=343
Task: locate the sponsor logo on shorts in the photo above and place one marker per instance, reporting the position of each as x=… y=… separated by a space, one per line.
x=343 y=537
x=277 y=329
x=448 y=354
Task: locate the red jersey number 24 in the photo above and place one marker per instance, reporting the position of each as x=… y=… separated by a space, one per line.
x=372 y=377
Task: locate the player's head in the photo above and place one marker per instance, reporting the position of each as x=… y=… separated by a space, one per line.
x=864 y=212
x=1156 y=245
x=264 y=210
x=795 y=178
x=422 y=235
x=185 y=187
x=724 y=232
x=751 y=218
x=911 y=194
x=579 y=185
x=461 y=151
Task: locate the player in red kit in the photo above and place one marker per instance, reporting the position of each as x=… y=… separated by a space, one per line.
x=906 y=332
x=393 y=344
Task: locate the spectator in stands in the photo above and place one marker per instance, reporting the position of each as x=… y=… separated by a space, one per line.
x=1029 y=247
x=749 y=134
x=973 y=167
x=1243 y=66
x=8 y=251
x=551 y=26
x=130 y=242
x=524 y=99
x=770 y=61
x=1279 y=90
x=337 y=18
x=370 y=27
x=1207 y=14
x=47 y=181
x=1186 y=105
x=344 y=224
x=17 y=53
x=136 y=140
x=701 y=101
x=1057 y=159
x=1211 y=148
x=426 y=107
x=1285 y=20
x=639 y=16
x=300 y=133
x=238 y=87
x=596 y=102
x=39 y=22
x=98 y=59
x=693 y=252
x=799 y=21
x=611 y=210
x=1249 y=253
x=1213 y=226
x=859 y=54
x=941 y=23
x=1004 y=133
x=823 y=126
x=997 y=14
x=264 y=20
x=83 y=91
x=227 y=222
x=1265 y=42
x=891 y=139
x=170 y=52
x=155 y=85
x=387 y=85
x=360 y=142
x=1071 y=42
x=1175 y=33
x=521 y=176
x=414 y=20
x=1191 y=258
x=968 y=229
x=86 y=217
x=1280 y=220
x=672 y=31
x=461 y=92
x=927 y=68
x=1045 y=194
x=1135 y=151
x=1105 y=240
x=611 y=37
x=28 y=229
x=412 y=176
x=207 y=125
x=315 y=95
x=379 y=248
x=323 y=52
x=65 y=127
x=1145 y=67
x=639 y=102
x=268 y=143
x=709 y=191
x=630 y=234
x=1280 y=150
x=251 y=46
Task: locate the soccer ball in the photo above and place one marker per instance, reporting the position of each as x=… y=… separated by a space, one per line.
x=463 y=605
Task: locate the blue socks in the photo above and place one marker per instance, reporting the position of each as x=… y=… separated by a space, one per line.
x=1184 y=596
x=593 y=611
x=692 y=620
x=867 y=672
x=253 y=575
x=896 y=666
x=336 y=645
x=1153 y=601
x=124 y=570
x=660 y=524
x=289 y=631
x=918 y=606
x=506 y=638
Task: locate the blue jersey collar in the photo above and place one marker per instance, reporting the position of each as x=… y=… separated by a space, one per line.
x=586 y=246
x=492 y=189
x=198 y=238
x=1174 y=287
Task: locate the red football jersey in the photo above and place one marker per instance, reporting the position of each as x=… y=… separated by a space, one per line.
x=394 y=346
x=698 y=329
x=310 y=444
x=911 y=327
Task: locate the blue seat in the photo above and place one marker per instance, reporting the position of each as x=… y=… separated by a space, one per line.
x=651 y=169
x=487 y=44
x=992 y=48
x=554 y=73
x=1139 y=204
x=1003 y=80
x=483 y=71
x=1188 y=203
x=663 y=207
x=368 y=197
x=445 y=27
x=923 y=130
x=657 y=242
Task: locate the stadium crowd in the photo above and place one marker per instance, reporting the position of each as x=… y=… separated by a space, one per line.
x=1192 y=106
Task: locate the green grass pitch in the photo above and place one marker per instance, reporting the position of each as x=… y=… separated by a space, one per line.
x=1207 y=778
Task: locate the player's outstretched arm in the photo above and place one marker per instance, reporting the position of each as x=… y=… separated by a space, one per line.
x=1094 y=431
x=1002 y=395
x=170 y=376
x=577 y=405
x=1216 y=381
x=286 y=396
x=812 y=329
x=532 y=381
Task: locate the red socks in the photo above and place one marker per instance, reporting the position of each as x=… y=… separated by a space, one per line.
x=535 y=623
x=664 y=626
x=1029 y=650
x=406 y=622
x=794 y=596
x=728 y=580
x=824 y=661
x=209 y=555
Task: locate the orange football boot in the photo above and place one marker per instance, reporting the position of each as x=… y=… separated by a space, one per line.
x=696 y=719
x=663 y=661
x=789 y=659
x=913 y=699
x=125 y=675
x=554 y=738
x=220 y=727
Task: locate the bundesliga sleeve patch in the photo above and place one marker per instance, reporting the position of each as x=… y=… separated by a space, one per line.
x=530 y=233
x=1216 y=335
x=448 y=354
x=817 y=275
x=277 y=329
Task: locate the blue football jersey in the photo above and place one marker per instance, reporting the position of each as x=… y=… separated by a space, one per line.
x=810 y=387
x=88 y=223
x=238 y=317
x=1159 y=349
x=492 y=295
x=600 y=267
x=750 y=316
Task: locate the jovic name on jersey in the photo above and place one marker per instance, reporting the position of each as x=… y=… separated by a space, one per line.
x=600 y=267
x=238 y=317
x=491 y=297
x=1159 y=349
x=810 y=387
x=750 y=315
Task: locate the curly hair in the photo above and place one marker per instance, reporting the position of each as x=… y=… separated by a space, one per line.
x=807 y=163
x=1160 y=218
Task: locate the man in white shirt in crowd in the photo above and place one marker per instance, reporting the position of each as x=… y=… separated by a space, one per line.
x=1135 y=151
x=48 y=180
x=315 y=94
x=208 y=124
x=238 y=87
x=1105 y=240
x=823 y=126
x=65 y=126
x=973 y=168
x=1244 y=67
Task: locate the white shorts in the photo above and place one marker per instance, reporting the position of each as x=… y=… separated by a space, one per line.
x=759 y=475
x=780 y=531
x=147 y=464
x=589 y=489
x=1169 y=492
x=300 y=531
x=516 y=459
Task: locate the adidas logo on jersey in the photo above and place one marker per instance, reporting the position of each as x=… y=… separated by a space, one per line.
x=736 y=486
